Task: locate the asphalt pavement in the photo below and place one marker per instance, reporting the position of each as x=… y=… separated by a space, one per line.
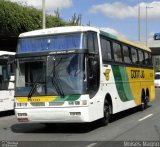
x=128 y=128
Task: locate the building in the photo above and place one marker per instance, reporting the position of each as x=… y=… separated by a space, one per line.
x=154 y=45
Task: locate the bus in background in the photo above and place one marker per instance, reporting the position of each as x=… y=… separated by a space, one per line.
x=6 y=80
x=79 y=74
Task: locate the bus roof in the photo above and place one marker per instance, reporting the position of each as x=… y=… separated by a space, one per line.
x=69 y=29
x=6 y=53
x=125 y=41
x=58 y=30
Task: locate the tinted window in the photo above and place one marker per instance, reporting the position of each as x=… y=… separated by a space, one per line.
x=141 y=57
x=126 y=54
x=134 y=56
x=92 y=42
x=52 y=43
x=150 y=59
x=147 y=59
x=117 y=52
x=95 y=41
x=106 y=49
x=4 y=77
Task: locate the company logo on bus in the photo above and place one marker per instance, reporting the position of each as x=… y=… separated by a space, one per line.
x=107 y=71
x=137 y=74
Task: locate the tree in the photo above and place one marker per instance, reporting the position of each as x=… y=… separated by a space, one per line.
x=57 y=13
x=75 y=20
x=17 y=18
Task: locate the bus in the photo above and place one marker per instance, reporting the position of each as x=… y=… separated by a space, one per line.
x=79 y=74
x=6 y=80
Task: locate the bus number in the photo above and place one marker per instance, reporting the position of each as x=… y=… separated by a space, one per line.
x=33 y=99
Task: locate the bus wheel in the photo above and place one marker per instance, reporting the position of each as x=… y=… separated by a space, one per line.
x=106 y=112
x=144 y=102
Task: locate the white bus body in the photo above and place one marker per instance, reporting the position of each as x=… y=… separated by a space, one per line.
x=6 y=81
x=46 y=92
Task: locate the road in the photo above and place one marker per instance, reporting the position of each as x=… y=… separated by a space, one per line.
x=131 y=125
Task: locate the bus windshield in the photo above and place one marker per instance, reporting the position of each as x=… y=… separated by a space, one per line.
x=52 y=43
x=58 y=75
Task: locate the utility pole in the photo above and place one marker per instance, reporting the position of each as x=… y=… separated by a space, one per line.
x=139 y=22
x=147 y=24
x=43 y=15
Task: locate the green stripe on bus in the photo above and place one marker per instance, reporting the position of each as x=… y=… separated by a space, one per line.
x=122 y=83
x=126 y=84
x=67 y=98
x=108 y=35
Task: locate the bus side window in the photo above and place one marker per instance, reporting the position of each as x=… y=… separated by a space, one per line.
x=141 y=57
x=148 y=59
x=95 y=41
x=134 y=56
x=0 y=76
x=126 y=54
x=92 y=42
x=4 y=77
x=11 y=68
x=117 y=52
x=5 y=73
x=106 y=50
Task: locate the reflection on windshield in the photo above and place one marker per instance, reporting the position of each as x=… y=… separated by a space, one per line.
x=29 y=74
x=69 y=71
x=60 y=75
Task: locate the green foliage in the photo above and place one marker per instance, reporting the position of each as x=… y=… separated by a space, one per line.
x=18 y=18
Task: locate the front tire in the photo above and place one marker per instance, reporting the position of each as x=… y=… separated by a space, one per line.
x=106 y=113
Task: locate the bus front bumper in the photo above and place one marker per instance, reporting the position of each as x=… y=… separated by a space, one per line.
x=51 y=115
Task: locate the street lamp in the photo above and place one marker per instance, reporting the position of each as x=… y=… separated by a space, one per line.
x=147 y=7
x=43 y=15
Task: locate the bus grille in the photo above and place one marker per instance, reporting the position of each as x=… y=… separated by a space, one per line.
x=56 y=103
x=38 y=104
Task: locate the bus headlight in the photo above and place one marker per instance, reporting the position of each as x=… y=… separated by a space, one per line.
x=21 y=104
x=78 y=103
x=71 y=102
x=84 y=102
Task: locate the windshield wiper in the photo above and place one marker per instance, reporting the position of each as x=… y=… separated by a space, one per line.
x=32 y=89
x=57 y=85
x=34 y=86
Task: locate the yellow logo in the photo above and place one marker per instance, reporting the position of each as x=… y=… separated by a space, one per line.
x=107 y=71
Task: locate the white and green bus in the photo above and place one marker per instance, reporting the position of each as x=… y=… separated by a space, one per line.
x=79 y=74
x=6 y=80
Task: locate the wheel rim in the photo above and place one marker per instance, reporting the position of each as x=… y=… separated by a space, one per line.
x=142 y=105
x=106 y=111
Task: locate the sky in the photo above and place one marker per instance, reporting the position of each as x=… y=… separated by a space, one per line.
x=119 y=17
